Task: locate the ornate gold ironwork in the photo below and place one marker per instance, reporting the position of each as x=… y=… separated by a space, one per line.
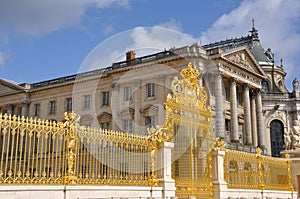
x=219 y=144
x=161 y=134
x=71 y=122
x=33 y=151
x=189 y=125
x=256 y=171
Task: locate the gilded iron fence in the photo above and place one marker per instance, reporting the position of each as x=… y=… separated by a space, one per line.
x=33 y=151
x=255 y=171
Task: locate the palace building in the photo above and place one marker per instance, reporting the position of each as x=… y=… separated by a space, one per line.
x=250 y=103
x=230 y=90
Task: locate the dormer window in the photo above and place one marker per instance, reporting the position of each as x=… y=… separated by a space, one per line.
x=265 y=86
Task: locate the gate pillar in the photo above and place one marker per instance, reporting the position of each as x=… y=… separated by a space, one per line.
x=164 y=169
x=218 y=155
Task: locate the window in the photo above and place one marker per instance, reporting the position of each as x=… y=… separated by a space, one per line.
x=265 y=86
x=19 y=110
x=127 y=93
x=69 y=104
x=52 y=107
x=150 y=90
x=277 y=137
x=149 y=121
x=128 y=125
x=241 y=136
x=105 y=100
x=37 y=109
x=227 y=130
x=226 y=94
x=87 y=102
x=239 y=98
x=104 y=125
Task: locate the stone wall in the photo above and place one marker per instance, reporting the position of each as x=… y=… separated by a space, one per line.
x=78 y=192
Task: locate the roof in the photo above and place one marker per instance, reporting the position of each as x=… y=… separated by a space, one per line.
x=251 y=41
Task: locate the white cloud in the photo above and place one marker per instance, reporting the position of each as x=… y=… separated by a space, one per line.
x=159 y=38
x=40 y=17
x=277 y=22
x=172 y=24
x=142 y=40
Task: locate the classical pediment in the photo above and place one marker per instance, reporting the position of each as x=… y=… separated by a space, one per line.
x=104 y=117
x=149 y=110
x=127 y=113
x=243 y=58
x=7 y=87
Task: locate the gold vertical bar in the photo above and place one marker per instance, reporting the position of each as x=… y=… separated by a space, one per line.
x=22 y=147
x=3 y=132
x=31 y=133
x=99 y=157
x=59 y=152
x=81 y=157
x=45 y=142
x=49 y=153
x=78 y=158
x=17 y=132
x=62 y=153
x=12 y=150
x=55 y=152
x=92 y=156
x=34 y=149
x=25 y=148
x=7 y=149
x=105 y=156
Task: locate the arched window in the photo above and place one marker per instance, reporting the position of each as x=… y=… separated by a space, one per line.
x=265 y=86
x=276 y=132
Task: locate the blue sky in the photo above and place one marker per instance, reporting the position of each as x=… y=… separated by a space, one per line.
x=41 y=40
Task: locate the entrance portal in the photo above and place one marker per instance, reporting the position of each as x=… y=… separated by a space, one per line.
x=276 y=133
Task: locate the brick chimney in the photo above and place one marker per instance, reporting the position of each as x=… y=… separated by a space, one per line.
x=130 y=55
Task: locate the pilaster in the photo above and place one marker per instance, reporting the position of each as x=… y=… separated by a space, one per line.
x=25 y=105
x=160 y=95
x=137 y=123
x=115 y=104
x=9 y=108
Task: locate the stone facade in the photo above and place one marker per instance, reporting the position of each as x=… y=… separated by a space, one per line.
x=247 y=93
x=250 y=102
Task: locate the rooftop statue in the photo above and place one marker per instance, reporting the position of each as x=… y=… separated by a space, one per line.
x=295 y=135
x=295 y=84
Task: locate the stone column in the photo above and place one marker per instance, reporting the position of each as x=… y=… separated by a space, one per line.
x=253 y=120
x=164 y=169
x=25 y=108
x=260 y=133
x=247 y=115
x=233 y=111
x=219 y=107
x=9 y=109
